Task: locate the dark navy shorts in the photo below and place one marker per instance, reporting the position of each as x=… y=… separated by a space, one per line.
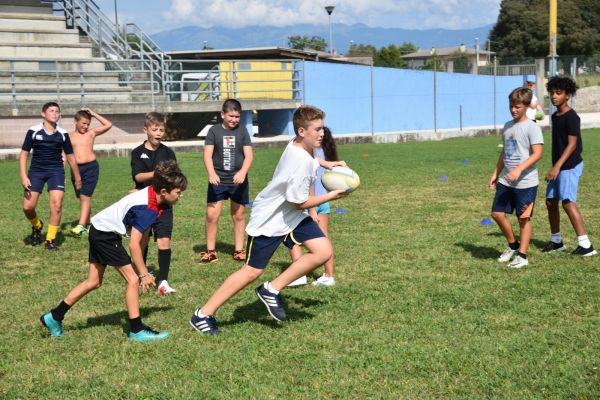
x=509 y=199
x=90 y=172
x=224 y=191
x=55 y=179
x=106 y=248
x=260 y=249
x=163 y=226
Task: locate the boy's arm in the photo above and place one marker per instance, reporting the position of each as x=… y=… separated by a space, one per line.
x=23 y=169
x=73 y=163
x=314 y=201
x=536 y=155
x=106 y=124
x=240 y=176
x=213 y=178
x=330 y=164
x=135 y=248
x=137 y=168
x=571 y=146
x=143 y=176
x=497 y=170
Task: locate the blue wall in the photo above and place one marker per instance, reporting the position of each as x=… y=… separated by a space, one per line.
x=403 y=99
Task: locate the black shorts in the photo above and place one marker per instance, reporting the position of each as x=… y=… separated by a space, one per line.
x=260 y=249
x=224 y=191
x=90 y=172
x=55 y=180
x=106 y=248
x=163 y=226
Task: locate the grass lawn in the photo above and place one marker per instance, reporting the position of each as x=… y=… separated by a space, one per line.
x=421 y=308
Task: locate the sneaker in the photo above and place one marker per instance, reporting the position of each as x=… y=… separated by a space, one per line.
x=208 y=257
x=164 y=288
x=51 y=245
x=239 y=255
x=582 y=251
x=324 y=281
x=36 y=235
x=147 y=334
x=273 y=302
x=551 y=247
x=53 y=326
x=518 y=262
x=79 y=230
x=299 y=282
x=507 y=255
x=207 y=325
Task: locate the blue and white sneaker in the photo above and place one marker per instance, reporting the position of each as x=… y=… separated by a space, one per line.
x=273 y=302
x=148 y=334
x=207 y=324
x=53 y=326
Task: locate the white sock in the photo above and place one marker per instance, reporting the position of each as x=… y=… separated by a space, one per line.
x=199 y=314
x=270 y=288
x=556 y=237
x=584 y=241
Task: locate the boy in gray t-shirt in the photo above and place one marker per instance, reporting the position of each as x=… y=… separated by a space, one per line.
x=515 y=177
x=227 y=158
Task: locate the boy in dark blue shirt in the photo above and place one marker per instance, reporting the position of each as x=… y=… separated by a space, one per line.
x=48 y=142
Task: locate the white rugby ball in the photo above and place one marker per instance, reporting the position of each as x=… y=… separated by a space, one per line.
x=340 y=178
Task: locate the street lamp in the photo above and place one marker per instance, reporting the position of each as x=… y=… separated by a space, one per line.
x=329 y=10
x=433 y=53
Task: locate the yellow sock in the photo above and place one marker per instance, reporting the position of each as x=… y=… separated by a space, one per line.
x=36 y=222
x=52 y=230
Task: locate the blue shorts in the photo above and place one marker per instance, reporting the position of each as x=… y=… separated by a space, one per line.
x=260 y=249
x=565 y=186
x=90 y=172
x=323 y=208
x=55 y=179
x=224 y=191
x=508 y=199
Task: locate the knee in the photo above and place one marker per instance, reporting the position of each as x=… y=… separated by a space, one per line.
x=524 y=221
x=163 y=243
x=238 y=217
x=212 y=217
x=94 y=284
x=252 y=273
x=56 y=206
x=497 y=216
x=551 y=204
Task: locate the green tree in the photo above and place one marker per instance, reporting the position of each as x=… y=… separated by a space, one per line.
x=390 y=56
x=304 y=42
x=361 y=50
x=460 y=60
x=521 y=31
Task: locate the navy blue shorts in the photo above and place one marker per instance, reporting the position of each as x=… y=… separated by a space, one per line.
x=55 y=179
x=106 y=248
x=90 y=172
x=260 y=249
x=508 y=199
x=224 y=191
x=163 y=226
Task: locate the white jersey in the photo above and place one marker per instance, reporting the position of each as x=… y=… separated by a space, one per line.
x=530 y=112
x=275 y=211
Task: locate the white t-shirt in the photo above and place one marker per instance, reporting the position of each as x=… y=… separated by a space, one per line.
x=518 y=139
x=532 y=111
x=274 y=211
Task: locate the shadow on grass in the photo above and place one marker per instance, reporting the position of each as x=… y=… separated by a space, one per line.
x=60 y=239
x=281 y=265
x=482 y=252
x=120 y=318
x=221 y=247
x=538 y=244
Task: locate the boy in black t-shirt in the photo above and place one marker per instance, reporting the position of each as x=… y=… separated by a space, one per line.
x=567 y=166
x=227 y=158
x=144 y=160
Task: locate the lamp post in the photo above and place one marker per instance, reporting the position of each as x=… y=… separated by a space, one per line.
x=329 y=10
x=433 y=53
x=116 y=18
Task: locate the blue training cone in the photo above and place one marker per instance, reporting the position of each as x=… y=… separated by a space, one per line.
x=465 y=161
x=485 y=221
x=340 y=211
x=444 y=178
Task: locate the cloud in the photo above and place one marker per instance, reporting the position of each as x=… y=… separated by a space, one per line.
x=408 y=14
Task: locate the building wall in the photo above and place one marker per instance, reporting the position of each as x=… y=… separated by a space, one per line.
x=403 y=99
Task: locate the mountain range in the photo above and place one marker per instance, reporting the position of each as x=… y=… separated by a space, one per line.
x=195 y=38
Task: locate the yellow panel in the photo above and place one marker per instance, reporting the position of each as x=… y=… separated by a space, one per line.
x=263 y=80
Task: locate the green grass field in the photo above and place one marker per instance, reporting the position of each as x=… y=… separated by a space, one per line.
x=421 y=308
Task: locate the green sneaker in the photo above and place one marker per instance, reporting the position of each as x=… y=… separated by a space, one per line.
x=147 y=334
x=53 y=326
x=79 y=230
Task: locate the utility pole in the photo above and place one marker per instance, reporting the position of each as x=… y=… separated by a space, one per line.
x=329 y=10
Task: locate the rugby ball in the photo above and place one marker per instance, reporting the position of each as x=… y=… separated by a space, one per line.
x=340 y=178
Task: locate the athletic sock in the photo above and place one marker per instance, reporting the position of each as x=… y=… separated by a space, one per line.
x=135 y=324
x=59 y=312
x=556 y=237
x=35 y=222
x=584 y=241
x=200 y=314
x=522 y=255
x=52 y=231
x=270 y=288
x=164 y=263
x=514 y=246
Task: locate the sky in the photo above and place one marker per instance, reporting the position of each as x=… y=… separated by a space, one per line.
x=160 y=15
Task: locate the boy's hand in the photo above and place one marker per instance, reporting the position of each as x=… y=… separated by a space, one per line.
x=493 y=180
x=338 y=194
x=78 y=184
x=214 y=179
x=513 y=175
x=552 y=174
x=92 y=113
x=239 y=178
x=26 y=183
x=331 y=164
x=146 y=282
